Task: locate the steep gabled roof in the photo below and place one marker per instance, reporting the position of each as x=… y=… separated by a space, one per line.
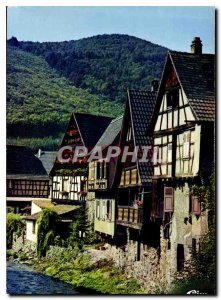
x=196 y=73
x=141 y=104
x=91 y=127
x=110 y=133
x=22 y=161
x=47 y=158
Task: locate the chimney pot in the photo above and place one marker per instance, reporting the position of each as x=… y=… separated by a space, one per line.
x=154 y=85
x=196 y=46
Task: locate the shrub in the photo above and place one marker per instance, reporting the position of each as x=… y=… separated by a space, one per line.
x=15 y=225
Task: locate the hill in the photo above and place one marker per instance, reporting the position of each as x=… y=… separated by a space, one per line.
x=47 y=81
x=105 y=64
x=39 y=101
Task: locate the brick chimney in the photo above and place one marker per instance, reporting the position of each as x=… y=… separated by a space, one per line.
x=154 y=85
x=196 y=46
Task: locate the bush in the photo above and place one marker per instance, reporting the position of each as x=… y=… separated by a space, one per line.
x=15 y=225
x=46 y=230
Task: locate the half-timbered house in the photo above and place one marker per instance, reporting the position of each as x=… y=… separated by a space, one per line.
x=26 y=179
x=183 y=130
x=100 y=181
x=134 y=178
x=69 y=179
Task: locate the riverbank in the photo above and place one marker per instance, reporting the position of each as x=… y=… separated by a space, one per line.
x=97 y=276
x=23 y=280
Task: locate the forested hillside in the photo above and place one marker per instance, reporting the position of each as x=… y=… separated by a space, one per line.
x=105 y=64
x=39 y=102
x=47 y=81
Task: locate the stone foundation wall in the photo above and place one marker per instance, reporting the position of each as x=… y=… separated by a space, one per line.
x=151 y=270
x=22 y=245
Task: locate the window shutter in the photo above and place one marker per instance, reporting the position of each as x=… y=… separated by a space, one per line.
x=98 y=209
x=168 y=199
x=196 y=205
x=104 y=210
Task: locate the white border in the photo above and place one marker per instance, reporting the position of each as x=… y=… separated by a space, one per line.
x=3 y=4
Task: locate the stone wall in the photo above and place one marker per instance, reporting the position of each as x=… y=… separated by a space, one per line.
x=151 y=270
x=22 y=245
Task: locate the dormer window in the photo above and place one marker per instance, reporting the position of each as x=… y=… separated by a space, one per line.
x=172 y=97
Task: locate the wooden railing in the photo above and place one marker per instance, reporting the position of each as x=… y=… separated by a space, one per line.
x=129 y=215
x=97 y=184
x=129 y=176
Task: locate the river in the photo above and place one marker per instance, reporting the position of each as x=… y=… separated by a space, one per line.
x=23 y=280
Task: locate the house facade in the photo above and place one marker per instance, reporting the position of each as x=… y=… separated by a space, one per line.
x=183 y=132
x=26 y=179
x=133 y=177
x=100 y=180
x=69 y=178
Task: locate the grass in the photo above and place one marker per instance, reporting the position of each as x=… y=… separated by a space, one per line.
x=181 y=287
x=101 y=277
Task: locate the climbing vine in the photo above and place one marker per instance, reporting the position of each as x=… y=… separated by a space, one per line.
x=15 y=225
x=47 y=224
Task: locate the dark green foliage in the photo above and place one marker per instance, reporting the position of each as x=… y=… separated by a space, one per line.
x=95 y=75
x=46 y=143
x=105 y=64
x=205 y=260
x=47 y=223
x=80 y=228
x=15 y=225
x=81 y=272
x=193 y=283
x=40 y=102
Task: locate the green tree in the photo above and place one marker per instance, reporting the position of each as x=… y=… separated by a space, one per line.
x=47 y=224
x=15 y=225
x=80 y=228
x=205 y=260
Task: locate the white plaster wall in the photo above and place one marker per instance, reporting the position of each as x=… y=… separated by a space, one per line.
x=30 y=236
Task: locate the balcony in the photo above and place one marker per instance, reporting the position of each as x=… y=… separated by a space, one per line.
x=129 y=176
x=97 y=184
x=129 y=216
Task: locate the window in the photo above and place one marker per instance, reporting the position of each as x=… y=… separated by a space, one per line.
x=104 y=172
x=168 y=199
x=157 y=151
x=172 y=99
x=180 y=257
x=104 y=210
x=169 y=153
x=186 y=145
x=196 y=205
x=65 y=185
x=98 y=170
x=108 y=209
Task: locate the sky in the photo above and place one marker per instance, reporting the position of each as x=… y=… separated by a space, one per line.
x=172 y=27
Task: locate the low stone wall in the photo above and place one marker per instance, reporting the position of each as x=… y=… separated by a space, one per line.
x=151 y=270
x=21 y=245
